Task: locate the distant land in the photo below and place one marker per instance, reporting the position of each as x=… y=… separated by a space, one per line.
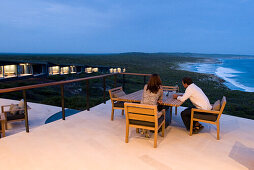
x=240 y=103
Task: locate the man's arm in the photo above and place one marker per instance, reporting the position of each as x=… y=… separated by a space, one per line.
x=176 y=95
x=185 y=96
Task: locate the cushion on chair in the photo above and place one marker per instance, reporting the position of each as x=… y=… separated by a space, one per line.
x=216 y=105
x=13 y=109
x=205 y=116
x=118 y=94
x=145 y=123
x=21 y=103
x=14 y=117
x=119 y=104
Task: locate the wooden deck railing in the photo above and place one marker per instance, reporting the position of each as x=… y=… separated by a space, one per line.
x=62 y=83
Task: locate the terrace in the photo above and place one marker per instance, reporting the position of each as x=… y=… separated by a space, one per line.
x=90 y=140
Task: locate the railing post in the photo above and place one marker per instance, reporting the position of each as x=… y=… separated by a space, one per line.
x=104 y=89
x=123 y=82
x=62 y=101
x=115 y=80
x=144 y=80
x=87 y=95
x=26 y=112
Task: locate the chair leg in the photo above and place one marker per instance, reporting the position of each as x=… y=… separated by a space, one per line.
x=191 y=126
x=5 y=124
x=127 y=134
x=122 y=112
x=112 y=114
x=155 y=138
x=175 y=110
x=3 y=129
x=137 y=130
x=163 y=130
x=218 y=130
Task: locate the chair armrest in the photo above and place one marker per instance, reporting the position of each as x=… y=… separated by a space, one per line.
x=2 y=107
x=115 y=99
x=4 y=111
x=206 y=111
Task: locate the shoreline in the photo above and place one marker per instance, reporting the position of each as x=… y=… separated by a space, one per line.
x=215 y=69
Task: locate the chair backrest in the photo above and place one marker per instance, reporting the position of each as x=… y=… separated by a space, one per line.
x=170 y=88
x=115 y=93
x=141 y=112
x=223 y=104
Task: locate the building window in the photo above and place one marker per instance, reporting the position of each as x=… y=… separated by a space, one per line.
x=73 y=69
x=119 y=70
x=95 y=70
x=111 y=70
x=25 y=69
x=1 y=72
x=54 y=70
x=88 y=70
x=10 y=71
x=65 y=70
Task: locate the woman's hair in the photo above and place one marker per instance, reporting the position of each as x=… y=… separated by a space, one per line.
x=154 y=83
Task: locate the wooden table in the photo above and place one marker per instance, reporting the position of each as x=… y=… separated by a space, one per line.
x=167 y=99
x=137 y=96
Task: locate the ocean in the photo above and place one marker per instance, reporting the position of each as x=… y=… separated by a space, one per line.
x=237 y=73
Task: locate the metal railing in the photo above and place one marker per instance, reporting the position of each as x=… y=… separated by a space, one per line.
x=62 y=83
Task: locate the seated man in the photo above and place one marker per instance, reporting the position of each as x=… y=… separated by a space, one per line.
x=198 y=99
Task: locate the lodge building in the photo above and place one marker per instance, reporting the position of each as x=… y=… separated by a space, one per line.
x=22 y=69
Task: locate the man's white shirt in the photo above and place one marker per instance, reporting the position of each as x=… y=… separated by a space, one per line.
x=197 y=97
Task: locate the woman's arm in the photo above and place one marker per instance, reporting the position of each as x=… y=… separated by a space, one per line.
x=160 y=94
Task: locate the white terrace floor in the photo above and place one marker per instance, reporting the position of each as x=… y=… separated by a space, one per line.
x=90 y=140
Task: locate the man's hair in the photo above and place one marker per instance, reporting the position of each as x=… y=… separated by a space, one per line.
x=187 y=80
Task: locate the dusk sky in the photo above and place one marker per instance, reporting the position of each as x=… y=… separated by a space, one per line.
x=112 y=26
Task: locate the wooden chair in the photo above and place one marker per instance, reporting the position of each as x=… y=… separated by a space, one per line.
x=9 y=117
x=171 y=89
x=208 y=116
x=116 y=104
x=2 y=123
x=144 y=117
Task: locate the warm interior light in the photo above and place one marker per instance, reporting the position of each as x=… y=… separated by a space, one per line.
x=88 y=70
x=95 y=70
x=64 y=70
x=10 y=70
x=111 y=70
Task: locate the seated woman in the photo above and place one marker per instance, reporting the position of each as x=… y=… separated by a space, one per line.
x=152 y=94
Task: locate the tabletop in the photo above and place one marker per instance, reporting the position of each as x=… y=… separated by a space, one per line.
x=167 y=98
